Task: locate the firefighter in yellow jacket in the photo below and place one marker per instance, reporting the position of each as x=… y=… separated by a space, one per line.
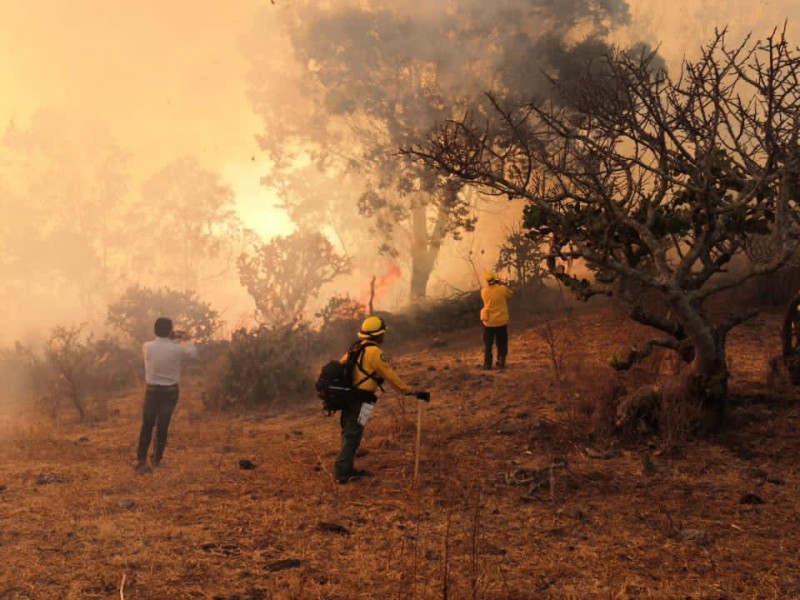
x=494 y=316
x=371 y=370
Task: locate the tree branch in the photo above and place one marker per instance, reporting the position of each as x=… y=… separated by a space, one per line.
x=733 y=321
x=636 y=355
x=661 y=323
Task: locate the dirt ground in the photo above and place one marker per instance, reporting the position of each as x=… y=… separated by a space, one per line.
x=517 y=495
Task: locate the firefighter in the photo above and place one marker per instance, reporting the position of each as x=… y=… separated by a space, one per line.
x=371 y=370
x=494 y=316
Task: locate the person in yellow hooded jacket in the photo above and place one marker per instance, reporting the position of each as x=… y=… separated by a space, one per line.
x=494 y=316
x=370 y=372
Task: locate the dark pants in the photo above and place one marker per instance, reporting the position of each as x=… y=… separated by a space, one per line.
x=490 y=336
x=159 y=403
x=352 y=432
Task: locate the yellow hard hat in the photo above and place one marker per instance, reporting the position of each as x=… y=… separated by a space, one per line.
x=371 y=327
x=489 y=276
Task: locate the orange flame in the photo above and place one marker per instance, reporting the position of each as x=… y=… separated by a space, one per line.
x=383 y=284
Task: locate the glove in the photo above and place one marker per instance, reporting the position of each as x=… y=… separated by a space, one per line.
x=424 y=396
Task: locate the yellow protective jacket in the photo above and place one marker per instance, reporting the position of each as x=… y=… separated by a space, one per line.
x=373 y=362
x=495 y=305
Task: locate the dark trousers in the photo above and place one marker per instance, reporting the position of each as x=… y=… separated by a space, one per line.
x=352 y=432
x=159 y=403
x=490 y=336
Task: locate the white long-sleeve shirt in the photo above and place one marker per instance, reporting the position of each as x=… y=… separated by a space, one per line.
x=162 y=360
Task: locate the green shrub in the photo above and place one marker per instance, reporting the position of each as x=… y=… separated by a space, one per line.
x=263 y=367
x=134 y=313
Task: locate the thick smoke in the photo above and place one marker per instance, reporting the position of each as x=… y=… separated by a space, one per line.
x=102 y=96
x=373 y=78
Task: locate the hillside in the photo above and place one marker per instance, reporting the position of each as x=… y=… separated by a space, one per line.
x=515 y=498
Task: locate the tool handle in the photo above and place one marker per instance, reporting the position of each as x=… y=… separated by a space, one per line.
x=419 y=438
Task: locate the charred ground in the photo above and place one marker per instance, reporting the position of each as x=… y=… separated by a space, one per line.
x=520 y=493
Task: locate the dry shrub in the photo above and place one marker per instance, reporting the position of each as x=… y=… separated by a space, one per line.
x=661 y=365
x=556 y=336
x=588 y=393
x=402 y=420
x=781 y=376
x=609 y=389
x=662 y=398
x=566 y=370
x=74 y=370
x=592 y=397
x=340 y=317
x=655 y=395
x=31 y=434
x=70 y=358
x=48 y=405
x=429 y=317
x=680 y=411
x=580 y=406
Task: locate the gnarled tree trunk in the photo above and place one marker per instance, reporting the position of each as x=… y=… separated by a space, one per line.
x=699 y=342
x=710 y=369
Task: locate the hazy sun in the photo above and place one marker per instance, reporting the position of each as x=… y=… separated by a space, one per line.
x=257 y=206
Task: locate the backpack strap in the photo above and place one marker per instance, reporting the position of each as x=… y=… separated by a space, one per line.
x=360 y=348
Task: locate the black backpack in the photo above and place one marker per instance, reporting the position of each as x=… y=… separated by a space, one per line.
x=335 y=382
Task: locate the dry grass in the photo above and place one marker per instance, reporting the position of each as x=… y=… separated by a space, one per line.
x=626 y=522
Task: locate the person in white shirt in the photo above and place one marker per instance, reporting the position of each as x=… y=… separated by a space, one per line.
x=162 y=372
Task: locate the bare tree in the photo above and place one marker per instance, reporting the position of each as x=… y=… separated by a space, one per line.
x=656 y=183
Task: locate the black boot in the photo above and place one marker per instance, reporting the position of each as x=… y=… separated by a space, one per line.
x=501 y=362
x=487 y=361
